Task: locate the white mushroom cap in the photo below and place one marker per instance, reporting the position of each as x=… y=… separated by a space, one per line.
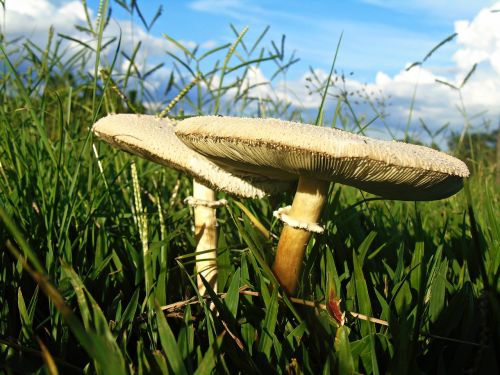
x=154 y=139
x=285 y=150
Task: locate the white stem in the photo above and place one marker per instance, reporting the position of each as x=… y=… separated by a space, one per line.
x=205 y=224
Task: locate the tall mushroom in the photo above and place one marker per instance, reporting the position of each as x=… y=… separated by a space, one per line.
x=317 y=156
x=153 y=138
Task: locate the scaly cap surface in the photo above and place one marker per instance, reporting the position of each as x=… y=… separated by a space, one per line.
x=154 y=139
x=285 y=150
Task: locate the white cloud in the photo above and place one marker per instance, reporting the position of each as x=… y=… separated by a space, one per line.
x=247 y=11
x=442 y=9
x=209 y=44
x=132 y=34
x=34 y=17
x=478 y=41
x=236 y=9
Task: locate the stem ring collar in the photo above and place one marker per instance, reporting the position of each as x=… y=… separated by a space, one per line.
x=194 y=202
x=282 y=214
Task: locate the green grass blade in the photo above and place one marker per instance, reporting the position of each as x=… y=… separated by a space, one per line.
x=95 y=345
x=269 y=326
x=233 y=294
x=169 y=344
x=319 y=117
x=229 y=54
x=30 y=105
x=345 y=363
x=362 y=296
x=210 y=358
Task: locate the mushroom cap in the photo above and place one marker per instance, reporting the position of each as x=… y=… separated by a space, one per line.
x=285 y=150
x=154 y=139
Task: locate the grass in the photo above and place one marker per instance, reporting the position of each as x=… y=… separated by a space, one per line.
x=79 y=293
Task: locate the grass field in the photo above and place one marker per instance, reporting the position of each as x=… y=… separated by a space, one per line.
x=97 y=265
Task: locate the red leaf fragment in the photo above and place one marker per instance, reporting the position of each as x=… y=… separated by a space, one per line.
x=333 y=307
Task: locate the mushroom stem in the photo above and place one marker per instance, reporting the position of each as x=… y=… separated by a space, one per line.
x=205 y=230
x=307 y=205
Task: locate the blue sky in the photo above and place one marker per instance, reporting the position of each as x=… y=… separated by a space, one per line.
x=378 y=35
x=380 y=38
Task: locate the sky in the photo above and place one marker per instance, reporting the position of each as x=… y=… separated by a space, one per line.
x=380 y=38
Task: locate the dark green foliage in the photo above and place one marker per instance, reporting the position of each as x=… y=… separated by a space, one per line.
x=476 y=146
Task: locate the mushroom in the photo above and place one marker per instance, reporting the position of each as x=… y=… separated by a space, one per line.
x=153 y=138
x=317 y=156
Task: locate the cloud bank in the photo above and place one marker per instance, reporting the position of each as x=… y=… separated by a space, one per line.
x=436 y=8
x=32 y=18
x=417 y=95
x=410 y=96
